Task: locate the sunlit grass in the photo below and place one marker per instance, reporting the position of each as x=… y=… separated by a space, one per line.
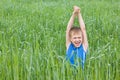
x=32 y=40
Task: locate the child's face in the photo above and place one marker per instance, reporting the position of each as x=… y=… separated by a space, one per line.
x=76 y=38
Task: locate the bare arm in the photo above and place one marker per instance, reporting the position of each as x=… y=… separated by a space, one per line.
x=70 y=24
x=82 y=26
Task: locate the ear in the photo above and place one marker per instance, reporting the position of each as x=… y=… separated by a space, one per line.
x=70 y=39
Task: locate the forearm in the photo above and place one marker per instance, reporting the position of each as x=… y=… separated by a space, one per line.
x=83 y=29
x=70 y=23
x=81 y=22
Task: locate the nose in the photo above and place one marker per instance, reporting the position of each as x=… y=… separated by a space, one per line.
x=77 y=39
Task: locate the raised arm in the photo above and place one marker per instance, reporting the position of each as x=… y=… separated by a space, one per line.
x=70 y=24
x=82 y=26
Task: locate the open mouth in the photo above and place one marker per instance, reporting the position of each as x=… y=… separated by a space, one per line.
x=77 y=44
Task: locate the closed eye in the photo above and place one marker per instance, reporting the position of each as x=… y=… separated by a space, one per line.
x=79 y=37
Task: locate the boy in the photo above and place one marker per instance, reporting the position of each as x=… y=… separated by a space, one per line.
x=76 y=40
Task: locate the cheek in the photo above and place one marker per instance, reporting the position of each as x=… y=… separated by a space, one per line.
x=81 y=39
x=72 y=39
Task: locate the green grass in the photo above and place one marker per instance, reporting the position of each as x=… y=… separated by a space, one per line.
x=32 y=40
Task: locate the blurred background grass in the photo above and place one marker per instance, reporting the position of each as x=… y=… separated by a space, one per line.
x=32 y=39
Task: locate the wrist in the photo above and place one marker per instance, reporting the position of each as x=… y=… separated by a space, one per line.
x=74 y=14
x=79 y=14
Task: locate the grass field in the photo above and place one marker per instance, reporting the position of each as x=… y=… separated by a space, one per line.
x=32 y=40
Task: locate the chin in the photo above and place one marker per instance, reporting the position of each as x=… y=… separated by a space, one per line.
x=77 y=45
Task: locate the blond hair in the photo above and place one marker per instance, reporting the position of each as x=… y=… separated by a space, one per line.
x=74 y=30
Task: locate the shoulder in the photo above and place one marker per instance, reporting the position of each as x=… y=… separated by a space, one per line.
x=69 y=50
x=69 y=45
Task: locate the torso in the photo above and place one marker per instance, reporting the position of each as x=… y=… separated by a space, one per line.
x=79 y=52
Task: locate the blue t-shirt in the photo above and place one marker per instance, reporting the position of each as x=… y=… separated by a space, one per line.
x=76 y=56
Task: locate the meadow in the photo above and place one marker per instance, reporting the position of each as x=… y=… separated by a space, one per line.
x=32 y=40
